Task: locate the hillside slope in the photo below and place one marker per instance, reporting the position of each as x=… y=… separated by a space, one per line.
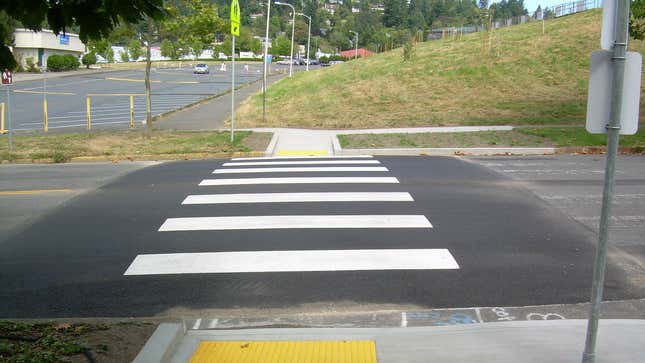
x=527 y=78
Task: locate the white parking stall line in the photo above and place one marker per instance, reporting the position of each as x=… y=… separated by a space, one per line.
x=292 y=261
x=298 y=197
x=295 y=221
x=299 y=170
x=319 y=180
x=301 y=162
x=302 y=157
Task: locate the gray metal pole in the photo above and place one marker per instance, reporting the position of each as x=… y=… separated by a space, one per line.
x=233 y=89
x=308 y=43
x=613 y=129
x=266 y=55
x=293 y=28
x=9 y=118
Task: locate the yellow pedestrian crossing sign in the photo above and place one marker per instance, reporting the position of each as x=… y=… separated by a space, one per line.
x=235 y=18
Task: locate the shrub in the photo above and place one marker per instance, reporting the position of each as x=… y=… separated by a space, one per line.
x=89 y=59
x=58 y=63
x=31 y=66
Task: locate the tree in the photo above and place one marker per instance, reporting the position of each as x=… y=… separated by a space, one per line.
x=280 y=46
x=196 y=47
x=89 y=59
x=135 y=50
x=125 y=57
x=637 y=20
x=101 y=47
x=393 y=14
x=94 y=19
x=168 y=49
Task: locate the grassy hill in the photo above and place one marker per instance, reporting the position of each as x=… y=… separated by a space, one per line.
x=525 y=78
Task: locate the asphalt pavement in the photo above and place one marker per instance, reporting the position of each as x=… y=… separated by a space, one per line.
x=429 y=232
x=172 y=88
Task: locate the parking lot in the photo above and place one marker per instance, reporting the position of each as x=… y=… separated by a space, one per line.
x=110 y=92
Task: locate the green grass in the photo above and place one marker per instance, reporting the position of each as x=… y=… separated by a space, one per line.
x=130 y=145
x=526 y=78
x=563 y=137
x=524 y=136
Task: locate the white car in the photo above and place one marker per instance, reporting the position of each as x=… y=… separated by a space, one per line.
x=201 y=69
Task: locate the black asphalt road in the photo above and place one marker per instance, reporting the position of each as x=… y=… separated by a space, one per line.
x=512 y=248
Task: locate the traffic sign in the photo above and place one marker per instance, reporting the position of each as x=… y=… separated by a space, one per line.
x=7 y=77
x=235 y=18
x=601 y=78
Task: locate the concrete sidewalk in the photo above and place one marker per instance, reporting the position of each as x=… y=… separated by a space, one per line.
x=521 y=341
x=212 y=114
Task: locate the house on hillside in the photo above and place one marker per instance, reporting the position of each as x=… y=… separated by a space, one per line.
x=362 y=52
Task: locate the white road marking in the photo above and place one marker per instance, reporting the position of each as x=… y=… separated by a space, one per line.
x=297 y=197
x=295 y=221
x=301 y=157
x=319 y=180
x=404 y=320
x=299 y=170
x=197 y=323
x=302 y=162
x=292 y=261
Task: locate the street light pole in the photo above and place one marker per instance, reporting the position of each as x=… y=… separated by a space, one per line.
x=356 y=43
x=293 y=28
x=308 y=39
x=266 y=55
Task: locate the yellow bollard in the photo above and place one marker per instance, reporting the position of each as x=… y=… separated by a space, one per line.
x=45 y=116
x=2 y=129
x=131 y=112
x=89 y=110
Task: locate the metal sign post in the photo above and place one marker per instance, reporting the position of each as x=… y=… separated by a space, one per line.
x=7 y=81
x=235 y=31
x=618 y=110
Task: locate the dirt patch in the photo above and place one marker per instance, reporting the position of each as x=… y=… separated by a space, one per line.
x=257 y=141
x=72 y=342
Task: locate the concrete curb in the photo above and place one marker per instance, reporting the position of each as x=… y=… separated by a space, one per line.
x=161 y=345
x=271 y=148
x=450 y=151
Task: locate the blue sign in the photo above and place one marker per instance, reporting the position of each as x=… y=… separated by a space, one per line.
x=269 y=58
x=64 y=39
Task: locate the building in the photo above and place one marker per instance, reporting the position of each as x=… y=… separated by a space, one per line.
x=40 y=45
x=362 y=52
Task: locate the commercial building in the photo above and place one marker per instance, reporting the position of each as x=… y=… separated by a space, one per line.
x=40 y=45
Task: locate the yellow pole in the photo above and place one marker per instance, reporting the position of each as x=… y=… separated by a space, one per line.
x=45 y=117
x=131 y=112
x=89 y=117
x=2 y=129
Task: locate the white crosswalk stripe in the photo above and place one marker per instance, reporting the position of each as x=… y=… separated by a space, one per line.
x=297 y=198
x=303 y=157
x=301 y=162
x=299 y=170
x=292 y=261
x=296 y=222
x=312 y=180
x=295 y=260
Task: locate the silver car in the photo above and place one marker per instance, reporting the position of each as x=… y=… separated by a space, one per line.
x=201 y=69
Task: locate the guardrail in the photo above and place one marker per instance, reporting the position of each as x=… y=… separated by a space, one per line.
x=88 y=105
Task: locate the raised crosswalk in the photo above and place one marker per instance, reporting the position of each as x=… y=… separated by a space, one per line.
x=314 y=185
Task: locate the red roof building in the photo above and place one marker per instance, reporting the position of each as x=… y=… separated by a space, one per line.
x=362 y=52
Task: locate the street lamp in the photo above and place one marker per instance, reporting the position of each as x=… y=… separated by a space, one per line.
x=308 y=38
x=356 y=45
x=293 y=24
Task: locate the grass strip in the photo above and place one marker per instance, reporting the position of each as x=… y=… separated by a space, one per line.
x=519 y=137
x=117 y=145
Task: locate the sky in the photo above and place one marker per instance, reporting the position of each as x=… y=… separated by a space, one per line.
x=531 y=5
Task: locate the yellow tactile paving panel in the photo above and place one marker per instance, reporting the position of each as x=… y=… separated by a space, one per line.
x=350 y=351
x=303 y=153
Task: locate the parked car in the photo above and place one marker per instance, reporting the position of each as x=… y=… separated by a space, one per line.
x=312 y=62
x=201 y=69
x=287 y=61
